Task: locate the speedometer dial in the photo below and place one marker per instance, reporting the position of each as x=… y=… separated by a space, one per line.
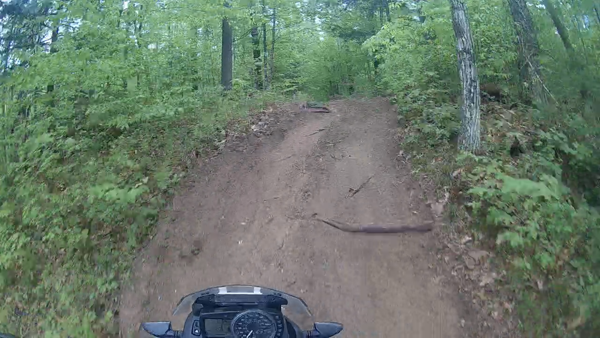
x=253 y=324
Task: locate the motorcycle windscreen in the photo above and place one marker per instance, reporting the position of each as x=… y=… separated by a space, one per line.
x=296 y=309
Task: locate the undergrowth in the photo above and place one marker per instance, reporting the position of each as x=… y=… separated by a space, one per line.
x=77 y=202
x=535 y=208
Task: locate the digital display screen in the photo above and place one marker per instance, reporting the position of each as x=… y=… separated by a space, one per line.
x=214 y=326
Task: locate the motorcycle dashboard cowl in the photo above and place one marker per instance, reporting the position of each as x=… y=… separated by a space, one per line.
x=229 y=293
x=220 y=305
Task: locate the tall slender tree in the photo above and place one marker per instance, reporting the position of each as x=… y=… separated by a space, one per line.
x=469 y=139
x=256 y=56
x=529 y=65
x=226 y=55
x=560 y=27
x=272 y=52
x=265 y=49
x=386 y=5
x=577 y=63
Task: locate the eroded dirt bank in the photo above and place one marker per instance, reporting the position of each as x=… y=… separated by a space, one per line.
x=247 y=219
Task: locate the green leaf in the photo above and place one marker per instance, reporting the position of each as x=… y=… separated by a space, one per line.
x=514 y=239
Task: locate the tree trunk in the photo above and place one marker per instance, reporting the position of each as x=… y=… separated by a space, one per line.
x=256 y=54
x=265 y=48
x=469 y=139
x=272 y=53
x=597 y=13
x=265 y=57
x=576 y=62
x=560 y=27
x=386 y=4
x=226 y=56
x=193 y=56
x=529 y=65
x=137 y=28
x=53 y=49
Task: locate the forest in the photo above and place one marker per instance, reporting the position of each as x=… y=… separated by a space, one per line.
x=106 y=104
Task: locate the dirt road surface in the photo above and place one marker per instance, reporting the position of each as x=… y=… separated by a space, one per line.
x=247 y=219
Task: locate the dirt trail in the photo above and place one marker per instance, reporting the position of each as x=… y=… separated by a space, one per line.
x=247 y=219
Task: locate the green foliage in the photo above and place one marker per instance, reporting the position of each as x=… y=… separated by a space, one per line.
x=423 y=67
x=437 y=126
x=543 y=231
x=334 y=68
x=422 y=55
x=540 y=208
x=74 y=208
x=104 y=108
x=495 y=57
x=537 y=212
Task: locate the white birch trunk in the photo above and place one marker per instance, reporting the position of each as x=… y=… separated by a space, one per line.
x=469 y=139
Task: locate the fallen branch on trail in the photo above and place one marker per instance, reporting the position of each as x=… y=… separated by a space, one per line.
x=318 y=131
x=285 y=158
x=377 y=229
x=314 y=110
x=352 y=191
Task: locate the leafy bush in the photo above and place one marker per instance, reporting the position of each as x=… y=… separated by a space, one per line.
x=548 y=237
x=437 y=126
x=534 y=211
x=333 y=68
x=538 y=209
x=104 y=106
x=74 y=208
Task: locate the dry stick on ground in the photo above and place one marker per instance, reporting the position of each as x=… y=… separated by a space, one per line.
x=353 y=192
x=314 y=110
x=285 y=158
x=318 y=131
x=377 y=229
